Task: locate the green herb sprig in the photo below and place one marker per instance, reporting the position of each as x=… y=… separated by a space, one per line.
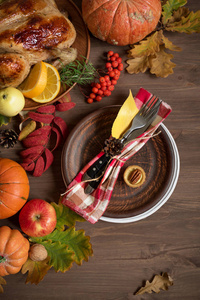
x=80 y=72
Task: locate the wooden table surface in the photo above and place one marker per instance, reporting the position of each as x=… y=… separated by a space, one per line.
x=126 y=255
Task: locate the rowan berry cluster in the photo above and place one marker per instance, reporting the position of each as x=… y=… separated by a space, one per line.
x=106 y=83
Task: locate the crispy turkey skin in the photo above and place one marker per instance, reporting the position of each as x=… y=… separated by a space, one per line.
x=32 y=31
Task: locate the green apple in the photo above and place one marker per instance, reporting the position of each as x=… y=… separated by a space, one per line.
x=12 y=101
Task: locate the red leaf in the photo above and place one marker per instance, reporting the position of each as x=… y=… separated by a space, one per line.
x=65 y=106
x=48 y=109
x=49 y=158
x=40 y=131
x=37 y=150
x=58 y=135
x=44 y=118
x=35 y=141
x=39 y=167
x=28 y=165
x=62 y=125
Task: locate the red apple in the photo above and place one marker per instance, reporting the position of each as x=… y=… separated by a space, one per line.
x=37 y=218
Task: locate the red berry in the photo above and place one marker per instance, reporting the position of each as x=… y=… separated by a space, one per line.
x=89 y=100
x=100 y=92
x=120 y=67
x=111 y=88
x=112 y=74
x=116 y=55
x=92 y=95
x=119 y=60
x=106 y=93
x=98 y=85
x=117 y=72
x=95 y=89
x=103 y=83
x=103 y=88
x=102 y=79
x=109 y=93
x=115 y=64
x=110 y=69
x=108 y=83
x=110 y=53
x=107 y=78
x=112 y=58
x=113 y=81
x=108 y=65
x=116 y=77
x=98 y=98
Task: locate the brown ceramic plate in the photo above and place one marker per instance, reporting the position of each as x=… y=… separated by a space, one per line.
x=158 y=157
x=82 y=44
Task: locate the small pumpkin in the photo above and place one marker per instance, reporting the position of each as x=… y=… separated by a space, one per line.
x=13 y=250
x=14 y=187
x=121 y=22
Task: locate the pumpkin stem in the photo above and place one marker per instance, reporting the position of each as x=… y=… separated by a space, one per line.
x=2 y=259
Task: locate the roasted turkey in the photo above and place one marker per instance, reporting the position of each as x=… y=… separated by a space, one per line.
x=32 y=31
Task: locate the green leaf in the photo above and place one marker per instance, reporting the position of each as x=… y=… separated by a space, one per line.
x=188 y=24
x=65 y=216
x=61 y=258
x=4 y=120
x=2 y=281
x=169 y=7
x=69 y=243
x=147 y=47
x=36 y=270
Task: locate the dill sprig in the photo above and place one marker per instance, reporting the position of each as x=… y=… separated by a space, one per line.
x=77 y=72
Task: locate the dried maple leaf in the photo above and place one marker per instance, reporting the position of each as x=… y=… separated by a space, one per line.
x=36 y=270
x=159 y=282
x=2 y=282
x=161 y=64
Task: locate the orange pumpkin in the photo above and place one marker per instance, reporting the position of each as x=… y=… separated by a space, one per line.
x=121 y=22
x=13 y=250
x=14 y=187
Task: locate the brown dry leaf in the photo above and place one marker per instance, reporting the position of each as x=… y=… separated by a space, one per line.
x=159 y=282
x=36 y=270
x=147 y=47
x=161 y=64
x=2 y=281
x=138 y=64
x=169 y=45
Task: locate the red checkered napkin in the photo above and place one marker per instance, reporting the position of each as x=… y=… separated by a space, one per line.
x=91 y=207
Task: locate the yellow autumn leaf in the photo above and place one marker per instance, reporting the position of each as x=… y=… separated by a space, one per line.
x=159 y=282
x=169 y=45
x=36 y=270
x=161 y=64
x=124 y=117
x=138 y=64
x=2 y=281
x=148 y=46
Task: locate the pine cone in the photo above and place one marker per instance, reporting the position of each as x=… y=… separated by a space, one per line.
x=113 y=146
x=8 y=138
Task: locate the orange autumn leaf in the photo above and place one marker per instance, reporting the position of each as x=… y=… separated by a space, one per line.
x=36 y=270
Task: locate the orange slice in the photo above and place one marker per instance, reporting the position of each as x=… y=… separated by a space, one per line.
x=36 y=81
x=52 y=87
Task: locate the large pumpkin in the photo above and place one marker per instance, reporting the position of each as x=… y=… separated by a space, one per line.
x=13 y=250
x=14 y=187
x=121 y=22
